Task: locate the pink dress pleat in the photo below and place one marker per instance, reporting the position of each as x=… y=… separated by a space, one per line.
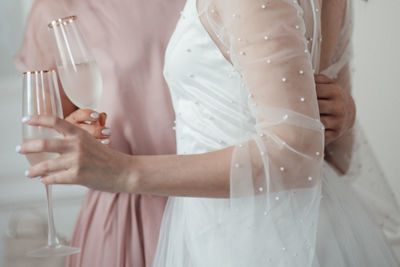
x=128 y=39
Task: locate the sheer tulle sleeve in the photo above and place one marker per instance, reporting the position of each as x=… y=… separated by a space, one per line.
x=275 y=174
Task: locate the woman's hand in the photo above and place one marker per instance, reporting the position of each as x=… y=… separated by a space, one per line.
x=82 y=118
x=83 y=160
x=336 y=107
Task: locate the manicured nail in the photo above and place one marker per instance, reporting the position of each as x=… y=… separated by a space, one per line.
x=26 y=119
x=27 y=173
x=94 y=115
x=18 y=149
x=106 y=132
x=105 y=141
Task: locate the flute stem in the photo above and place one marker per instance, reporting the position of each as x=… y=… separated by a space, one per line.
x=52 y=240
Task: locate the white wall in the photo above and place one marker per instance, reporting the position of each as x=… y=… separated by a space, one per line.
x=377 y=80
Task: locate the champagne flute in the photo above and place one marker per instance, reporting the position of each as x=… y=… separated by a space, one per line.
x=79 y=74
x=41 y=97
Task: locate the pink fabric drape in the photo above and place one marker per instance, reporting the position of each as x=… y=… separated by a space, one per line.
x=128 y=39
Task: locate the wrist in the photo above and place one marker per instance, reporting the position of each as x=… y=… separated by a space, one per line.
x=128 y=181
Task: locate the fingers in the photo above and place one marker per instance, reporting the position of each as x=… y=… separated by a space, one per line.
x=331 y=107
x=45 y=145
x=320 y=78
x=83 y=115
x=326 y=91
x=49 y=166
x=56 y=123
x=60 y=177
x=332 y=123
x=98 y=132
x=330 y=136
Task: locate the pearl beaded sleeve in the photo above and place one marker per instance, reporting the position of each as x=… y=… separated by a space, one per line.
x=275 y=175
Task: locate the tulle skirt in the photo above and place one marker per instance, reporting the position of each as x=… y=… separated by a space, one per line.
x=192 y=235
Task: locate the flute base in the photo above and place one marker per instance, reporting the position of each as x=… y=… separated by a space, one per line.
x=58 y=250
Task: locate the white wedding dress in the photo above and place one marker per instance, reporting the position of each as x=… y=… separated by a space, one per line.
x=297 y=211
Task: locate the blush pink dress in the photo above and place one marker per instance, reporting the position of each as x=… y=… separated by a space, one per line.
x=128 y=39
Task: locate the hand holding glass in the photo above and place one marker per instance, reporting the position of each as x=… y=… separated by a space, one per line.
x=41 y=97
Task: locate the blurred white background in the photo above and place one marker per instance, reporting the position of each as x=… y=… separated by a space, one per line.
x=376 y=89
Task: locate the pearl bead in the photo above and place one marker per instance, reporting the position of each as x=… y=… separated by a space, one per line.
x=306 y=51
x=240 y=145
x=260 y=189
x=237 y=165
x=284 y=249
x=234 y=15
x=268 y=61
x=262 y=153
x=309 y=178
x=242 y=53
x=174 y=128
x=297 y=27
x=285 y=116
x=302 y=99
x=276 y=198
x=317 y=153
x=283 y=79
x=212 y=10
x=301 y=72
x=261 y=134
x=266 y=37
x=239 y=39
x=282 y=169
x=263 y=6
x=316 y=10
x=250 y=95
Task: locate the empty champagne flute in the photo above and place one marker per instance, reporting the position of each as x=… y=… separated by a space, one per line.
x=79 y=74
x=41 y=97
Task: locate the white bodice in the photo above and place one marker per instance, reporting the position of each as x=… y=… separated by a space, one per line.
x=206 y=90
x=207 y=93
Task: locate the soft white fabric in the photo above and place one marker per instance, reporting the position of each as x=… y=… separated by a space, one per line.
x=263 y=103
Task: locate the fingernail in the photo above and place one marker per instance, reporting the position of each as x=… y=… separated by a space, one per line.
x=27 y=173
x=105 y=141
x=18 y=148
x=106 y=132
x=26 y=119
x=94 y=115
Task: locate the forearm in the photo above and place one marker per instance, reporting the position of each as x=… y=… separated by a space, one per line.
x=197 y=175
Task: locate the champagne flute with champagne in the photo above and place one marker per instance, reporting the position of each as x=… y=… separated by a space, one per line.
x=79 y=73
x=41 y=97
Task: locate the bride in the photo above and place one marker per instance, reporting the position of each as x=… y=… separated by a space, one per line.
x=249 y=186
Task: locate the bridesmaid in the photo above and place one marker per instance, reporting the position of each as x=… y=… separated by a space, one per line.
x=128 y=40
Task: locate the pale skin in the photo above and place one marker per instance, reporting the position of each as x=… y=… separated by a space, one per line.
x=86 y=161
